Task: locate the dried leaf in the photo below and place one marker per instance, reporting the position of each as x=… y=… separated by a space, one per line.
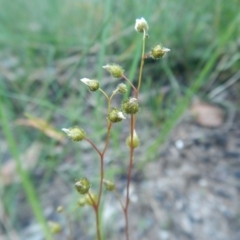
x=207 y=115
x=43 y=126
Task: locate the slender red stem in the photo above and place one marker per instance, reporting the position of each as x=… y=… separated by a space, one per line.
x=132 y=127
x=98 y=225
x=93 y=145
x=129 y=178
x=102 y=164
x=108 y=137
x=95 y=207
x=101 y=154
x=135 y=90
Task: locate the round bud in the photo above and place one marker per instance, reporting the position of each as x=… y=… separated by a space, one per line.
x=158 y=51
x=110 y=186
x=81 y=202
x=141 y=25
x=83 y=186
x=130 y=106
x=93 y=85
x=135 y=141
x=60 y=209
x=75 y=133
x=115 y=115
x=115 y=70
x=122 y=88
x=54 y=227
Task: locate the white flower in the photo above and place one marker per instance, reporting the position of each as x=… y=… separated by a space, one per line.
x=66 y=130
x=92 y=84
x=141 y=25
x=106 y=66
x=166 y=50
x=86 y=81
x=120 y=115
x=133 y=100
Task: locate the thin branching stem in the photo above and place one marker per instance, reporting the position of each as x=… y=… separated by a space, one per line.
x=108 y=137
x=104 y=93
x=135 y=90
x=132 y=127
x=102 y=164
x=102 y=154
x=96 y=205
x=114 y=92
x=101 y=180
x=96 y=210
x=93 y=145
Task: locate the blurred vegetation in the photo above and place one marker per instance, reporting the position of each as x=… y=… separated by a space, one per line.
x=47 y=46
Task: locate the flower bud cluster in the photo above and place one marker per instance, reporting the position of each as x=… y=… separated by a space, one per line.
x=129 y=106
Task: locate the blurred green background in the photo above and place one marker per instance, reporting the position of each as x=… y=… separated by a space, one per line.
x=47 y=46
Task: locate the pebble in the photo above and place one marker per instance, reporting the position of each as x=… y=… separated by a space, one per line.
x=164 y=235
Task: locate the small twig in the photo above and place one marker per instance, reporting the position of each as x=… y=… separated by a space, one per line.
x=155 y=208
x=119 y=199
x=224 y=86
x=69 y=226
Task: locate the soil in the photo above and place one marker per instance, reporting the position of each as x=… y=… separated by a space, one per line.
x=193 y=190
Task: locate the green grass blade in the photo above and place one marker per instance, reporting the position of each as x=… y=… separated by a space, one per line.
x=27 y=185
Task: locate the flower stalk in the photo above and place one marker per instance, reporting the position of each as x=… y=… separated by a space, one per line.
x=114 y=116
